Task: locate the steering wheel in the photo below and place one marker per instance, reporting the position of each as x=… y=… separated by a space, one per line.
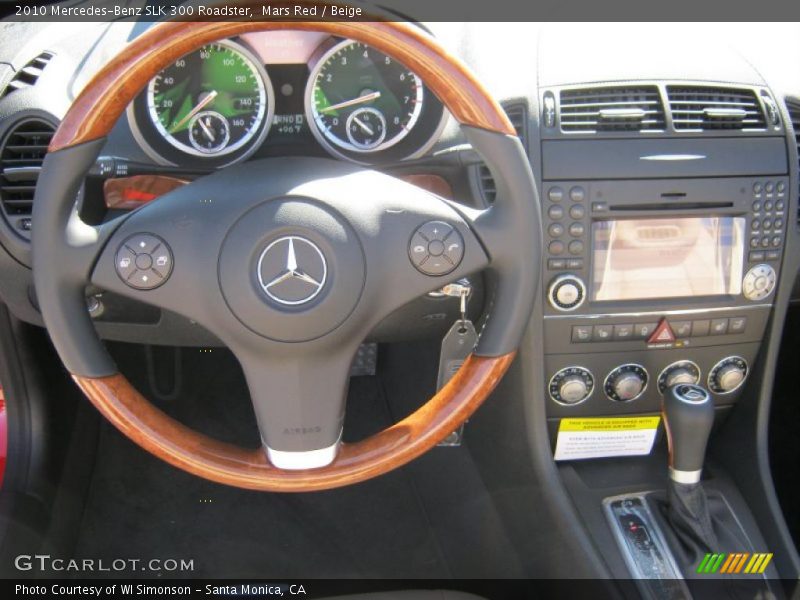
x=339 y=234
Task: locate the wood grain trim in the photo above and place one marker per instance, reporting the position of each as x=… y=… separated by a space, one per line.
x=107 y=95
x=200 y=455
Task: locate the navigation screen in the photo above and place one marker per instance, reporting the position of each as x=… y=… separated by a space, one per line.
x=667 y=258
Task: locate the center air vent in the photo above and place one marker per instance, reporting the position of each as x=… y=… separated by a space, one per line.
x=517 y=116
x=29 y=74
x=612 y=109
x=712 y=108
x=21 y=155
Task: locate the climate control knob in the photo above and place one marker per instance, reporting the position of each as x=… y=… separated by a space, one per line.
x=727 y=375
x=626 y=383
x=683 y=371
x=566 y=292
x=571 y=386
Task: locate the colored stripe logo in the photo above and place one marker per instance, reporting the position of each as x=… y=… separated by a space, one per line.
x=735 y=562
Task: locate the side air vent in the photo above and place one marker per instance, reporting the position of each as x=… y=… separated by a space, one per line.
x=21 y=155
x=794 y=113
x=29 y=74
x=518 y=116
x=713 y=109
x=612 y=109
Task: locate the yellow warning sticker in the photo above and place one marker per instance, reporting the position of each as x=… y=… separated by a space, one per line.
x=609 y=423
x=597 y=437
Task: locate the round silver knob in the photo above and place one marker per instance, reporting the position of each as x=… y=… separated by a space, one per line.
x=626 y=383
x=759 y=282
x=727 y=375
x=573 y=389
x=680 y=376
x=682 y=371
x=566 y=293
x=571 y=385
x=628 y=386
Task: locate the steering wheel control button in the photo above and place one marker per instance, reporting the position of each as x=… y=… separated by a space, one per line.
x=566 y=293
x=292 y=270
x=143 y=261
x=759 y=282
x=436 y=248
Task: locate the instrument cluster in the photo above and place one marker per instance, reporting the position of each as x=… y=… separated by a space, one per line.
x=285 y=92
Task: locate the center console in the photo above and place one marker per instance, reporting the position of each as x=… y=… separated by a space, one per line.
x=650 y=282
x=666 y=210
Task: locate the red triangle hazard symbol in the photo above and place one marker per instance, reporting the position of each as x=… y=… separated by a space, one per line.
x=662 y=333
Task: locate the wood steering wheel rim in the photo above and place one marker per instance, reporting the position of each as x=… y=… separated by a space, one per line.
x=92 y=116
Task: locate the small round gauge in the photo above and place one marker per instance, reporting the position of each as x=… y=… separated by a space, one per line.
x=213 y=101
x=366 y=128
x=209 y=132
x=360 y=100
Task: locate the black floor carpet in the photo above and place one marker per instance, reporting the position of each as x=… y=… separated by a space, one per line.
x=431 y=519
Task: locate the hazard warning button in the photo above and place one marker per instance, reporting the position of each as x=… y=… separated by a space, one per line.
x=662 y=333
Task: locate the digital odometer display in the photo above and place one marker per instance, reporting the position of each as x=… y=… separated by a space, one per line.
x=362 y=100
x=211 y=102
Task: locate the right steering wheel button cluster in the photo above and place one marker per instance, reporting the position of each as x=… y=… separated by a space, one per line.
x=143 y=261
x=436 y=248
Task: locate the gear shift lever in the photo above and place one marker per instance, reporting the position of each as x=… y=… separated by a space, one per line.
x=688 y=417
x=688 y=413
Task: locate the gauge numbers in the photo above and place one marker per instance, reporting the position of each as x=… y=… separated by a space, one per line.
x=361 y=100
x=211 y=102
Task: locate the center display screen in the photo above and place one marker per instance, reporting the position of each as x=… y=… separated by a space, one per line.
x=667 y=258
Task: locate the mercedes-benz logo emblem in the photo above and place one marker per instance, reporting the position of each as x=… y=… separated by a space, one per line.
x=292 y=270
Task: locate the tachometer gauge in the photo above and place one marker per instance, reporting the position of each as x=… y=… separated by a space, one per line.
x=361 y=100
x=213 y=101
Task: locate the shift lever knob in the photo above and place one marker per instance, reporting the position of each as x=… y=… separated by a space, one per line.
x=688 y=416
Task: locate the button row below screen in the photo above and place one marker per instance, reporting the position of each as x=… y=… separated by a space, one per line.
x=642 y=331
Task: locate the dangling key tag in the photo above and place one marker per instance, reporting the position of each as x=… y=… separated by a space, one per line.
x=457 y=344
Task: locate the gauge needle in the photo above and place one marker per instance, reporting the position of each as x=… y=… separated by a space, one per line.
x=206 y=130
x=346 y=103
x=363 y=126
x=200 y=105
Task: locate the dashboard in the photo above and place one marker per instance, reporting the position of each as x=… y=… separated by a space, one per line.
x=246 y=97
x=667 y=180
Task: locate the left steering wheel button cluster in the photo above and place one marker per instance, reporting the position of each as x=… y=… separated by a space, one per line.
x=436 y=248
x=143 y=261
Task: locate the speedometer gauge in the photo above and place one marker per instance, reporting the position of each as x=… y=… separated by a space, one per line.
x=361 y=100
x=211 y=102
